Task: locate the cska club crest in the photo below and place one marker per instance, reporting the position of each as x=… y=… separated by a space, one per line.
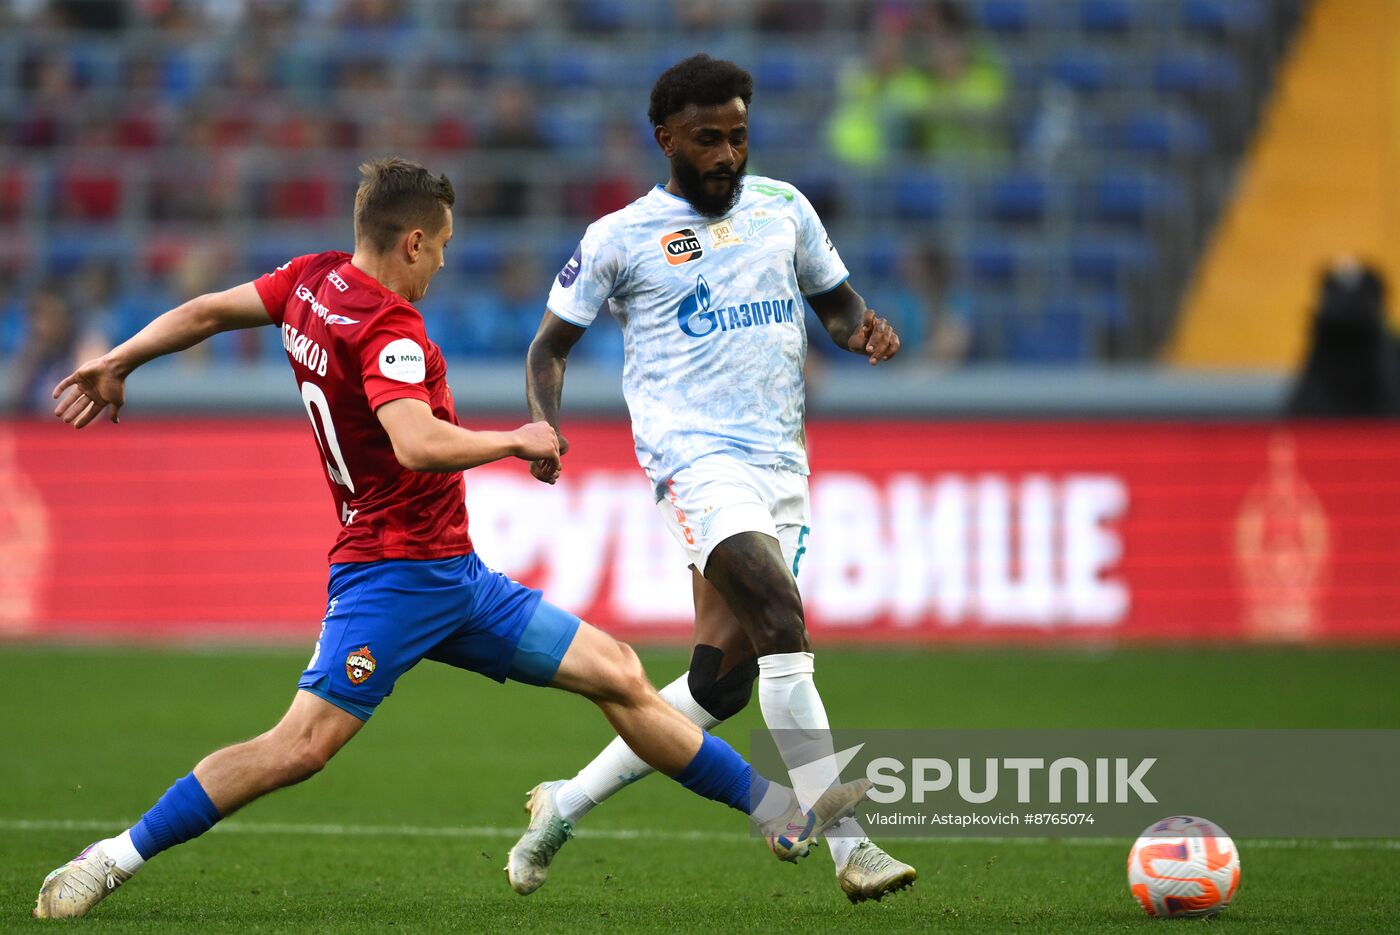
x=359 y=665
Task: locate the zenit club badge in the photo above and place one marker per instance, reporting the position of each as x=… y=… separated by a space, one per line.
x=359 y=665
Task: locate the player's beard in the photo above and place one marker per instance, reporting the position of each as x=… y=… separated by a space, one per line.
x=692 y=186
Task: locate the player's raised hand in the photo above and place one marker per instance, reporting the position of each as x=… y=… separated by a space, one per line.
x=546 y=470
x=84 y=393
x=874 y=338
x=539 y=443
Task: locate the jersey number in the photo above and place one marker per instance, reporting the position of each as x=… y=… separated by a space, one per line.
x=318 y=409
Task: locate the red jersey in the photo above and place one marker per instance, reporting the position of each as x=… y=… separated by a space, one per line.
x=353 y=346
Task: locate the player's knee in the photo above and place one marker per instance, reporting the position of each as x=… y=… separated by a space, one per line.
x=303 y=761
x=779 y=627
x=295 y=759
x=623 y=679
x=722 y=696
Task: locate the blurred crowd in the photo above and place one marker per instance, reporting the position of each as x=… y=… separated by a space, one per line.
x=151 y=149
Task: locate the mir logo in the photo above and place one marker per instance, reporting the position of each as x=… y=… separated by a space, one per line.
x=697 y=319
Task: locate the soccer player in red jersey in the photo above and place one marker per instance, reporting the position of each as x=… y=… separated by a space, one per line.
x=405 y=584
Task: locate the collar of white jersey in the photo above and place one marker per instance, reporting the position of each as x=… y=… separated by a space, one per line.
x=660 y=189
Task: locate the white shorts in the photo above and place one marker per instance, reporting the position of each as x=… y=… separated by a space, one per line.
x=720 y=496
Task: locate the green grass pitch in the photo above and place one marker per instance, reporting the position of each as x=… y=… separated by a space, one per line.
x=408 y=828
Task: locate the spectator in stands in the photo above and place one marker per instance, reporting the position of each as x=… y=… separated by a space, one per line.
x=790 y=17
x=1353 y=365
x=925 y=303
x=928 y=89
x=922 y=300
x=54 y=341
x=48 y=88
x=617 y=179
x=513 y=132
x=502 y=322
x=448 y=129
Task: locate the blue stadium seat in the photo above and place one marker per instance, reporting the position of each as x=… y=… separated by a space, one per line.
x=1085 y=70
x=1165 y=134
x=1012 y=17
x=993 y=262
x=919 y=196
x=1223 y=18
x=601 y=15
x=1197 y=74
x=1017 y=198
x=476 y=257
x=1107 y=17
x=778 y=70
x=1107 y=262
x=1135 y=198
x=880 y=260
x=1056 y=333
x=573 y=68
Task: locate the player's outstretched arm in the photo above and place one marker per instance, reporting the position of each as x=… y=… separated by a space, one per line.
x=423 y=442
x=100 y=383
x=853 y=326
x=544 y=380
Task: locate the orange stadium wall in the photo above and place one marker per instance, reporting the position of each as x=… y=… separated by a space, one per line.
x=922 y=532
x=1321 y=179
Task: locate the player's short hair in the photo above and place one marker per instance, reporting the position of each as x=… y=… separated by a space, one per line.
x=699 y=80
x=396 y=196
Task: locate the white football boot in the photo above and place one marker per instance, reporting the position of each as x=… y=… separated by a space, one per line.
x=527 y=865
x=870 y=873
x=791 y=837
x=73 y=889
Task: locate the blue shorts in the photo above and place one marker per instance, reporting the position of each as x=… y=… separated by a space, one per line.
x=382 y=617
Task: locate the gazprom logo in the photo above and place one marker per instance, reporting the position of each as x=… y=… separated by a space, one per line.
x=697 y=305
x=698 y=320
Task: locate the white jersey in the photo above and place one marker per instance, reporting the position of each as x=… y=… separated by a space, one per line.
x=712 y=320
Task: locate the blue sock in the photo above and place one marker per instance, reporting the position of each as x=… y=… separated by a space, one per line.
x=719 y=773
x=183 y=813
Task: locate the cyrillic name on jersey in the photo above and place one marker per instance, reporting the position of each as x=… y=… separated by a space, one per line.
x=303 y=350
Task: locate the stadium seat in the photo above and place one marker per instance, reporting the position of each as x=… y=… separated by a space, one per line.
x=1135 y=198
x=1104 y=261
x=1197 y=74
x=993 y=262
x=778 y=70
x=1017 y=198
x=880 y=260
x=1107 y=17
x=476 y=257
x=1056 y=333
x=1165 y=134
x=918 y=196
x=1013 y=17
x=1084 y=70
x=1223 y=18
x=600 y=16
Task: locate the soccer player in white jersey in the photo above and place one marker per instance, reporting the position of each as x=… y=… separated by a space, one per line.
x=707 y=276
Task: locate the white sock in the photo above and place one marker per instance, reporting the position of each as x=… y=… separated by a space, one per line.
x=121 y=850
x=844 y=837
x=790 y=702
x=617 y=766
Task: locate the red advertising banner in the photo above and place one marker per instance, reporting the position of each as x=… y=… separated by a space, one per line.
x=218 y=529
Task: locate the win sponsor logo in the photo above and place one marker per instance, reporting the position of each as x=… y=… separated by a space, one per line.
x=681 y=247
x=697 y=319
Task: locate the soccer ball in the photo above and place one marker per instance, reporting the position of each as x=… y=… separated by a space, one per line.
x=1183 y=867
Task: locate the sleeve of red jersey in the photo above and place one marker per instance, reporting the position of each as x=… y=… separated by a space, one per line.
x=394 y=357
x=275 y=287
